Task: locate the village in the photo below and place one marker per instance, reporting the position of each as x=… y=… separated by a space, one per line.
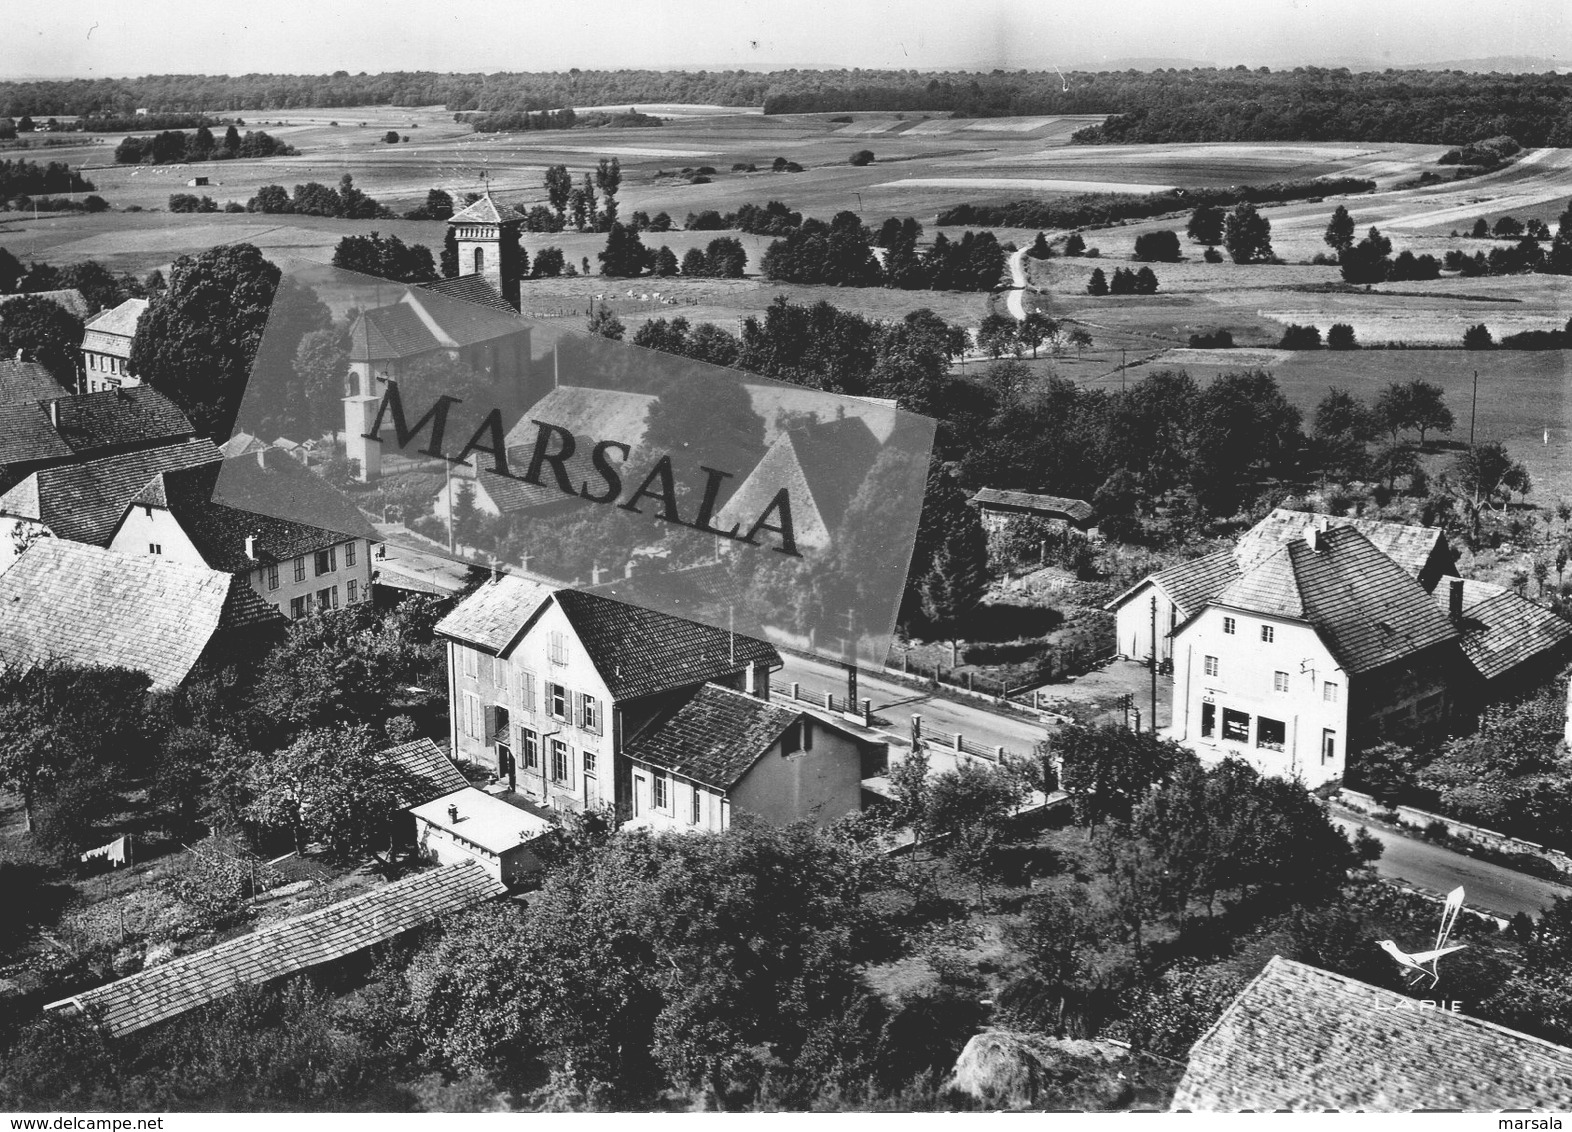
x=428 y=684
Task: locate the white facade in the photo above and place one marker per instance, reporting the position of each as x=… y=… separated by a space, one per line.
x=332 y=578
x=1265 y=690
x=542 y=713
x=1133 y=623
x=101 y=371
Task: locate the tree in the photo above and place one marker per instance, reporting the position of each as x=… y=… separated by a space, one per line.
x=321 y=367
x=1340 y=230
x=11 y=271
x=328 y=785
x=997 y=336
x=970 y=807
x=1040 y=248
x=1098 y=283
x=1478 y=337
x=606 y=324
x=1035 y=329
x=1206 y=225
x=1427 y=408
x=625 y=255
x=1107 y=770
x=1075 y=245
x=666 y=262
x=1145 y=282
x=1244 y=428
x=1247 y=235
x=467 y=987
x=1341 y=337
x=1343 y=429
x=950 y=561
x=448 y=257
x=438 y=206
x=559 y=187
x=705 y=419
x=386 y=257
x=1296 y=337
x=1488 y=475
x=549 y=263
x=1159 y=247
x=861 y=157
x=42 y=330
x=391 y=137
x=694 y=265
x=725 y=258
x=195 y=343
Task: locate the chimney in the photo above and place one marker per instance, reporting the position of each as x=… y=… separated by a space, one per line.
x=524 y=561
x=1313 y=538
x=251 y=547
x=627 y=570
x=54 y=414
x=452 y=813
x=1455 y=599
x=262 y=458
x=595 y=574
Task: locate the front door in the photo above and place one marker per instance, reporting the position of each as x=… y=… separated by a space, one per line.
x=1328 y=746
x=641 y=793
x=506 y=768
x=591 y=792
x=1208 y=720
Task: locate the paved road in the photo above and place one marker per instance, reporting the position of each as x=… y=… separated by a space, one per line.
x=1016 y=299
x=898 y=703
x=1432 y=867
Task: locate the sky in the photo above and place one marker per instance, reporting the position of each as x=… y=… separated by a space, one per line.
x=95 y=38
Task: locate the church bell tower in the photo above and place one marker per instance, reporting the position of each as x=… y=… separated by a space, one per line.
x=487 y=239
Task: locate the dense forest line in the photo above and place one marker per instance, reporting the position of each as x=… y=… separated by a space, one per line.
x=1307 y=103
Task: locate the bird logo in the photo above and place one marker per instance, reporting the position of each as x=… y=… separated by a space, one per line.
x=1422 y=964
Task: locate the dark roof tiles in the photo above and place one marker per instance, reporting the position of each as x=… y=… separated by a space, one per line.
x=422 y=772
x=1502 y=630
x=714 y=737
x=1077 y=511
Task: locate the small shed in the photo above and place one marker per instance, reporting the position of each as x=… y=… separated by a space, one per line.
x=196 y=182
x=471 y=825
x=997 y=507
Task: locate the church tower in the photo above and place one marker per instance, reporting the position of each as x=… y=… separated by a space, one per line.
x=488 y=245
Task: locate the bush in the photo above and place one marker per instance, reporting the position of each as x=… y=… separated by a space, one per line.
x=862 y=157
x=1478 y=338
x=1212 y=255
x=391 y=137
x=1341 y=337
x=1219 y=339
x=1297 y=337
x=1159 y=247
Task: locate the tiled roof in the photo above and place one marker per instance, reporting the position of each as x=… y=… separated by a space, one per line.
x=778 y=402
x=713 y=737
x=27 y=381
x=84 y=502
x=638 y=651
x=242 y=444
x=493 y=616
x=1076 y=510
x=820 y=465
x=183 y=984
x=1303 y=1039
x=591 y=415
x=469 y=289
x=384 y=333
x=139 y=416
x=68 y=601
x=219 y=505
x=70 y=298
x=1502 y=630
x=423 y=772
x=1367 y=608
x=1189 y=585
x=1411 y=547
x=485 y=211
x=120 y=321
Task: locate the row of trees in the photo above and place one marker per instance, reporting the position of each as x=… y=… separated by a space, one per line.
x=1125 y=282
x=840 y=253
x=173 y=146
x=21 y=177
x=316 y=199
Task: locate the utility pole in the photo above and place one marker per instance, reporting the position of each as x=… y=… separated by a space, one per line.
x=1154 y=664
x=1121 y=369
x=1473 y=412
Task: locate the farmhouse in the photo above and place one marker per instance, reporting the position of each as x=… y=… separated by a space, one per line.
x=85 y=605
x=26 y=381
x=84 y=502
x=1302 y=1039
x=106 y=347
x=63 y=430
x=224 y=516
x=550 y=687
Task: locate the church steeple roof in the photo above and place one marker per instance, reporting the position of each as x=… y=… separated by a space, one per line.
x=484 y=211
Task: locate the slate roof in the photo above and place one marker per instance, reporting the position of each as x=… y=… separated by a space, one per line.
x=183 y=984
x=469 y=289
x=1367 y=609
x=84 y=502
x=1189 y=585
x=638 y=651
x=494 y=615
x=218 y=505
x=821 y=466
x=422 y=772
x=1300 y=1038
x=67 y=601
x=69 y=298
x=1077 y=511
x=135 y=417
x=242 y=444
x=27 y=381
x=1502 y=630
x=485 y=211
x=1411 y=547
x=713 y=737
x=111 y=331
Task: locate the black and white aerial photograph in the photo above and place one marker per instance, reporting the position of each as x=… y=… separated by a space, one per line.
x=1038 y=579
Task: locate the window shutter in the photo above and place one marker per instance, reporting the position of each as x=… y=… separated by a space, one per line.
x=490 y=723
